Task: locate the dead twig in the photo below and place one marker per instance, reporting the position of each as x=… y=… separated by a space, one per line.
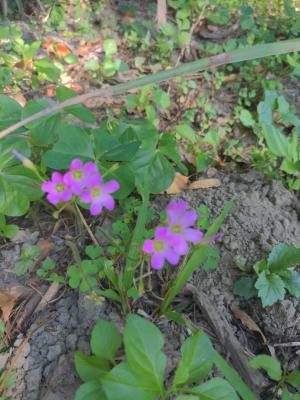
x=193 y=27
x=48 y=296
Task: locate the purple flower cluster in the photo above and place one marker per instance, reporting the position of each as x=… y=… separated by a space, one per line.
x=82 y=180
x=171 y=242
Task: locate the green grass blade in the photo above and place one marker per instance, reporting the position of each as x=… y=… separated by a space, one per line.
x=233 y=378
x=234 y=56
x=136 y=244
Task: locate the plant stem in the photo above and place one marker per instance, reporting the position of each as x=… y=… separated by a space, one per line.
x=95 y=241
x=234 y=56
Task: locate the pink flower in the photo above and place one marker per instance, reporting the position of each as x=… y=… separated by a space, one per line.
x=162 y=247
x=98 y=193
x=180 y=221
x=76 y=178
x=56 y=188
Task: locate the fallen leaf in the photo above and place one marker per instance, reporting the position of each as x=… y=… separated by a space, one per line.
x=248 y=322
x=62 y=50
x=19 y=98
x=181 y=183
x=58 y=48
x=8 y=299
x=46 y=247
x=50 y=91
x=204 y=184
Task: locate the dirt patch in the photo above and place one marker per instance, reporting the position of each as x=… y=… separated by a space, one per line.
x=263 y=214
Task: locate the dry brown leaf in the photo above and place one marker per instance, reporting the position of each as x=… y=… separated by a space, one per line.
x=46 y=247
x=204 y=184
x=8 y=299
x=181 y=183
x=19 y=98
x=248 y=322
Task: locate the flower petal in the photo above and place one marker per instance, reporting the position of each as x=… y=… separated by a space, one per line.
x=66 y=195
x=193 y=235
x=178 y=243
x=161 y=232
x=54 y=198
x=48 y=186
x=96 y=208
x=190 y=218
x=90 y=168
x=86 y=196
x=76 y=164
x=108 y=202
x=111 y=186
x=148 y=247
x=157 y=261
x=57 y=177
x=172 y=257
x=94 y=180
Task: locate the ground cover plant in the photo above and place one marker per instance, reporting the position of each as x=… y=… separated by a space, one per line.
x=106 y=112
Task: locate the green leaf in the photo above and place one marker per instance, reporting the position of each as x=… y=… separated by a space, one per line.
x=215 y=389
x=10 y=111
x=291 y=281
x=79 y=111
x=125 y=177
x=246 y=118
x=90 y=368
x=47 y=132
x=265 y=108
x=212 y=260
x=161 y=173
x=244 y=287
x=73 y=142
x=32 y=107
x=121 y=152
x=110 y=46
x=233 y=378
x=283 y=256
x=16 y=191
x=286 y=395
x=74 y=274
x=161 y=99
x=94 y=252
x=197 y=360
x=122 y=383
x=294 y=378
x=23 y=266
x=105 y=340
x=187 y=397
x=270 y=364
x=270 y=288
x=186 y=132
x=278 y=143
x=44 y=66
x=90 y=391
x=214 y=228
x=143 y=343
x=10 y=230
x=92 y=65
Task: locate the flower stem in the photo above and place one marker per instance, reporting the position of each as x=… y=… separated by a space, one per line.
x=94 y=240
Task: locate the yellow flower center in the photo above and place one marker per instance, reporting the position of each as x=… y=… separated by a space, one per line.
x=176 y=228
x=158 y=245
x=59 y=187
x=77 y=174
x=95 y=192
